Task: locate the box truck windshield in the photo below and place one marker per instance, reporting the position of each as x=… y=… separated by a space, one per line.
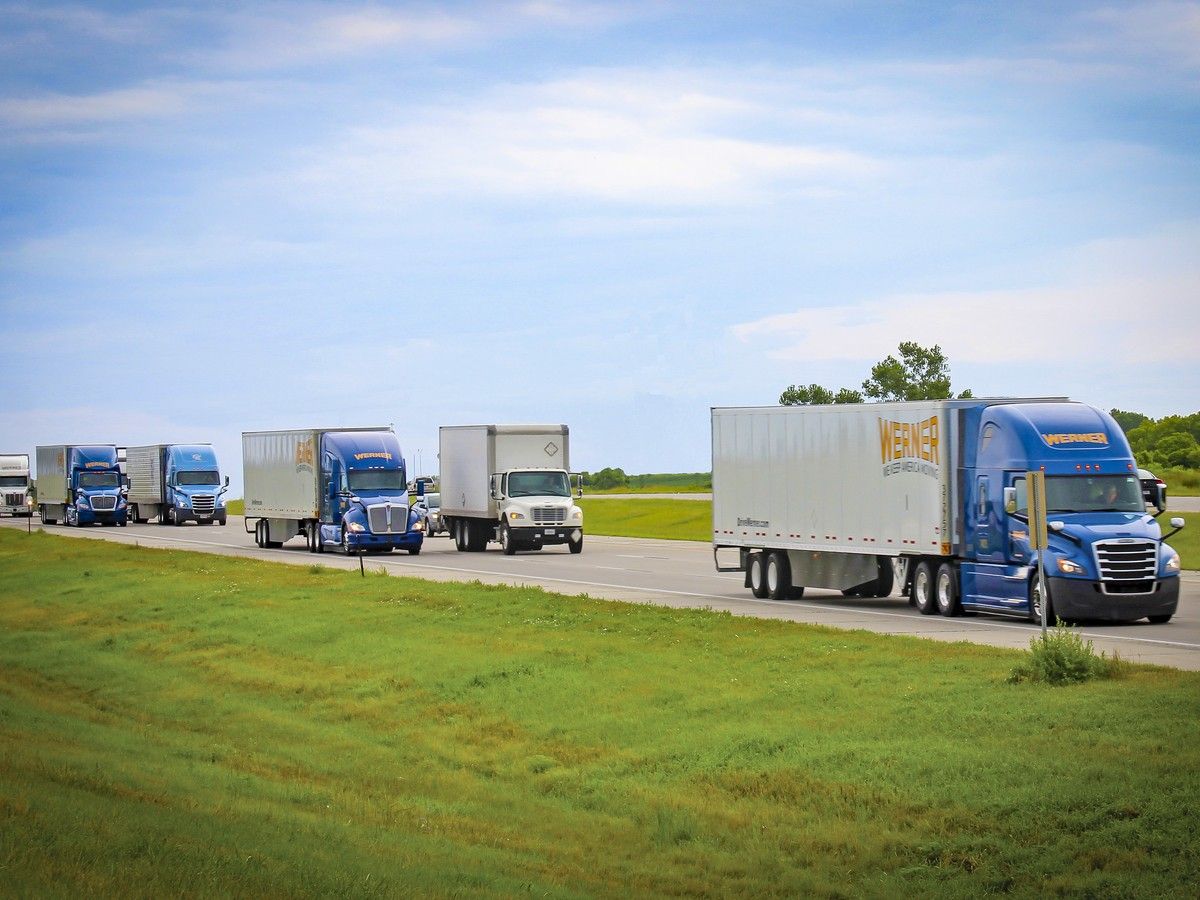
x=98 y=479
x=14 y=481
x=1075 y=494
x=370 y=480
x=211 y=478
x=538 y=484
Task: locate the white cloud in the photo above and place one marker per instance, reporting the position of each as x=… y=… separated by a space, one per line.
x=648 y=137
x=1119 y=299
x=1164 y=32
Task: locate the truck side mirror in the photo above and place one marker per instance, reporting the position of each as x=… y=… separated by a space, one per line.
x=226 y=481
x=494 y=492
x=1160 y=499
x=1010 y=500
x=578 y=485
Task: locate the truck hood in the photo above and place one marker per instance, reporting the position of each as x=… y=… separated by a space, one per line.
x=1095 y=526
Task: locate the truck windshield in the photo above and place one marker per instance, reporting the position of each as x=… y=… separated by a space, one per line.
x=538 y=484
x=98 y=479
x=13 y=481
x=207 y=478
x=1087 y=493
x=376 y=480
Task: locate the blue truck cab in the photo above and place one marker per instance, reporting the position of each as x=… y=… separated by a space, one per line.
x=192 y=480
x=95 y=494
x=364 y=494
x=1107 y=558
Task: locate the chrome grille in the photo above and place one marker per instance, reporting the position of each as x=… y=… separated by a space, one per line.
x=386 y=518
x=549 y=515
x=204 y=503
x=104 y=504
x=1127 y=565
x=14 y=499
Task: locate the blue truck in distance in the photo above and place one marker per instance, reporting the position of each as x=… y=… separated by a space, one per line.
x=80 y=484
x=343 y=488
x=930 y=497
x=175 y=483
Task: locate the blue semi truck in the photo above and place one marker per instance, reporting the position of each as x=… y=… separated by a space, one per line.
x=343 y=488
x=80 y=485
x=930 y=497
x=175 y=483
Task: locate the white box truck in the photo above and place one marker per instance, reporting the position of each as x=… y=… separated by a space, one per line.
x=14 y=484
x=511 y=484
x=931 y=496
x=339 y=487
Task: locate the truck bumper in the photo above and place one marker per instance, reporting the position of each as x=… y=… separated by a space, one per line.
x=541 y=536
x=1073 y=598
x=409 y=540
x=189 y=515
x=91 y=517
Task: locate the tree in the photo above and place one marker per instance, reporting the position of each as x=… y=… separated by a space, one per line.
x=815 y=395
x=1179 y=451
x=1128 y=420
x=920 y=374
x=607 y=478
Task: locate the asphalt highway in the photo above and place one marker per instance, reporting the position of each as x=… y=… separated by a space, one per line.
x=679 y=574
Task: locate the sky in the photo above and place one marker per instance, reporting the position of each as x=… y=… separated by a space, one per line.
x=240 y=216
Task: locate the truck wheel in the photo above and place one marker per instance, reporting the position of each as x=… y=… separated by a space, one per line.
x=923 y=589
x=1160 y=620
x=779 y=576
x=506 y=541
x=575 y=546
x=414 y=551
x=758 y=576
x=1035 y=605
x=176 y=519
x=456 y=532
x=947 y=591
x=477 y=536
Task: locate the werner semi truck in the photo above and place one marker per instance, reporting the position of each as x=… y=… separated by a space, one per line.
x=14 y=484
x=931 y=497
x=339 y=487
x=80 y=485
x=508 y=483
x=175 y=483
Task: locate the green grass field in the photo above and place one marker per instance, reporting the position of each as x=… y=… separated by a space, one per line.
x=177 y=723
x=677 y=520
x=1187 y=542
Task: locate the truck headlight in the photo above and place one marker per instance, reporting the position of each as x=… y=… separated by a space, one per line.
x=356 y=527
x=1172 y=564
x=576 y=514
x=514 y=515
x=1069 y=568
x=418 y=526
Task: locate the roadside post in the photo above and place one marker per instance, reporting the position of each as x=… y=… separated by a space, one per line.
x=1038 y=538
x=29 y=516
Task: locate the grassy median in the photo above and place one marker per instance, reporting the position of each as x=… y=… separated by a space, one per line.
x=175 y=723
x=671 y=520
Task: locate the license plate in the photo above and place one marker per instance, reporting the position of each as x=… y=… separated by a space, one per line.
x=549 y=531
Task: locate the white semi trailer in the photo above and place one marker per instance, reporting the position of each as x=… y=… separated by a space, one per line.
x=509 y=483
x=930 y=497
x=14 y=484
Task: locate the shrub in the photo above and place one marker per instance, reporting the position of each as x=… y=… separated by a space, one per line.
x=1063 y=657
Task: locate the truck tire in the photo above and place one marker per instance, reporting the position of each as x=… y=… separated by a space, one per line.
x=1035 y=604
x=575 y=546
x=946 y=591
x=414 y=551
x=1159 y=620
x=758 y=576
x=258 y=533
x=507 y=546
x=923 y=589
x=477 y=536
x=778 y=576
x=456 y=532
